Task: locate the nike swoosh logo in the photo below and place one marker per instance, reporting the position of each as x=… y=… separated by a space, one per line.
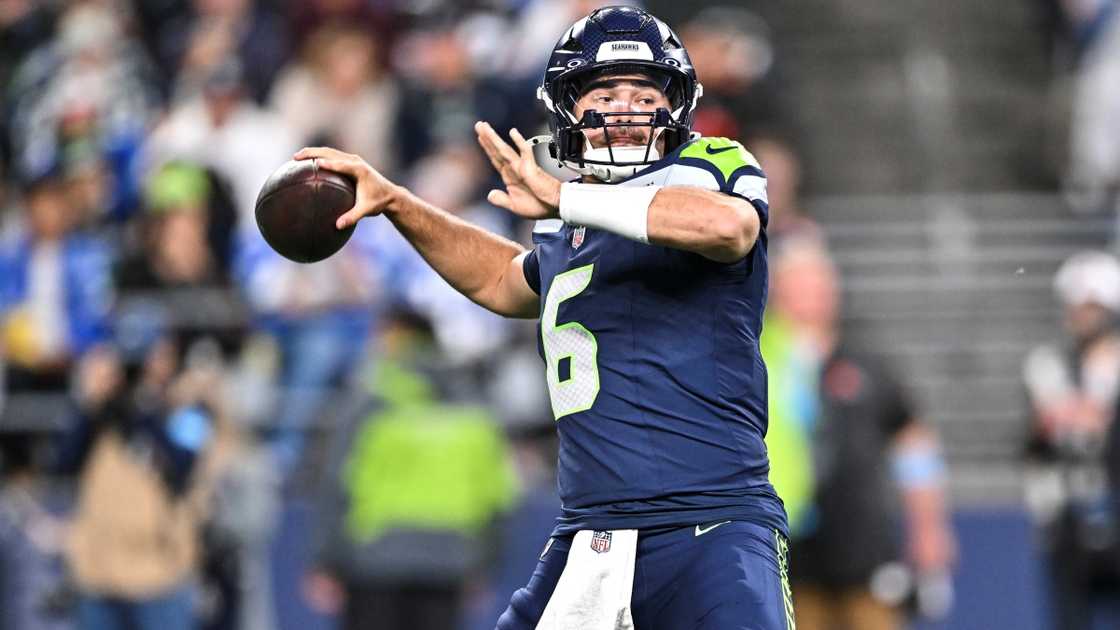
x=701 y=531
x=715 y=151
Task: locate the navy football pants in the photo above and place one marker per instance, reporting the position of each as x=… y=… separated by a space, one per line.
x=731 y=577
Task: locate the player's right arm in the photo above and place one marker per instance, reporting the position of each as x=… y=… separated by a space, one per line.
x=479 y=264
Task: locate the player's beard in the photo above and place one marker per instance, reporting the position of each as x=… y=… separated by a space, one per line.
x=627 y=145
x=636 y=136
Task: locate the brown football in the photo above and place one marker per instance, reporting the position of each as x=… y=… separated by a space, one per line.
x=297 y=209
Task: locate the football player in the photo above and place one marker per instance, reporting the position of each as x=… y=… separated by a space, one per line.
x=649 y=278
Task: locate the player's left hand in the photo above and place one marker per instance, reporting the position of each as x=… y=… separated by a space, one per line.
x=530 y=192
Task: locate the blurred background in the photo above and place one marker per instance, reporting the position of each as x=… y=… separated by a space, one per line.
x=195 y=433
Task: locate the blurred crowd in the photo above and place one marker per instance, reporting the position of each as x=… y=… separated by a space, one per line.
x=170 y=385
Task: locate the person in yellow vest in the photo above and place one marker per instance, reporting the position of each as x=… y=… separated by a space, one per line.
x=861 y=476
x=791 y=457
x=417 y=476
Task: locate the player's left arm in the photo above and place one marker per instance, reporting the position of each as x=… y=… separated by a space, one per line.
x=715 y=225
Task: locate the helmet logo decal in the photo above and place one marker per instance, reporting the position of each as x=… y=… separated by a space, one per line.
x=577 y=236
x=610 y=51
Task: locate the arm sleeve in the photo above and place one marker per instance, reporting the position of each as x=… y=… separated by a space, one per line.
x=736 y=170
x=531 y=267
x=748 y=182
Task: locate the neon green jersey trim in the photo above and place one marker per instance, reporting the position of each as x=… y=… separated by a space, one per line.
x=725 y=154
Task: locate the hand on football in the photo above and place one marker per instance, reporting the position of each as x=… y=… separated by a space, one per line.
x=530 y=192
x=374 y=191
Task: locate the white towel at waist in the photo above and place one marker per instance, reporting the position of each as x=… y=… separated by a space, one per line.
x=594 y=590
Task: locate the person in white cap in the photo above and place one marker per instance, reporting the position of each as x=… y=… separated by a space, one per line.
x=1074 y=392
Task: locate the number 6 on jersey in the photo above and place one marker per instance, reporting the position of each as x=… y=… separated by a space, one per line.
x=570 y=349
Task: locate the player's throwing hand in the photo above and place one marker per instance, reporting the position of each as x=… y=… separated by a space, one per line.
x=530 y=192
x=375 y=192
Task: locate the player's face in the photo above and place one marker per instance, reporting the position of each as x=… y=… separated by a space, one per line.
x=623 y=93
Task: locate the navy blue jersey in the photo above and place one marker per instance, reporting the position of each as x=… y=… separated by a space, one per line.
x=653 y=366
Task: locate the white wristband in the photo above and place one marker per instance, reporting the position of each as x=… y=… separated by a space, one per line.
x=619 y=209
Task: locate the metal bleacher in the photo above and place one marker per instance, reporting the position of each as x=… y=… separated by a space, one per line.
x=904 y=96
x=952 y=291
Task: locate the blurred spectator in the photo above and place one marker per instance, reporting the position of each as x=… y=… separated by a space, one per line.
x=1094 y=169
x=176 y=250
x=24 y=26
x=223 y=130
x=92 y=83
x=850 y=543
x=441 y=97
x=215 y=31
x=174 y=286
x=732 y=51
x=147 y=444
x=184 y=199
x=788 y=442
x=55 y=290
x=372 y=16
x=88 y=182
x=340 y=95
x=30 y=540
x=414 y=485
x=1073 y=487
x=173 y=283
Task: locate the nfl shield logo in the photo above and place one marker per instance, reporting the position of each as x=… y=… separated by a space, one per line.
x=601 y=542
x=577 y=240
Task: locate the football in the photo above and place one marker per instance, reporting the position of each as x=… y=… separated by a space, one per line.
x=297 y=209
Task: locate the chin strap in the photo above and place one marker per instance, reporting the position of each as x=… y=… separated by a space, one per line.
x=609 y=173
x=612 y=173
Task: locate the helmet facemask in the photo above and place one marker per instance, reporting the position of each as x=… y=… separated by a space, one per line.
x=616 y=160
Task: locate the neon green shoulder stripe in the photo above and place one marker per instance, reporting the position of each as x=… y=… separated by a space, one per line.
x=726 y=155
